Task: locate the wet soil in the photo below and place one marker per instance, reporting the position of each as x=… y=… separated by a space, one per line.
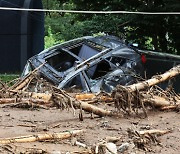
x=19 y=122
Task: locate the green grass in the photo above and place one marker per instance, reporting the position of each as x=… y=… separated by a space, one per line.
x=6 y=78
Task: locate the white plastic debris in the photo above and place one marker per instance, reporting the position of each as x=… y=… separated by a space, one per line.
x=111 y=148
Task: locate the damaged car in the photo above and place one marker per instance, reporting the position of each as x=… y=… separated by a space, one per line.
x=90 y=64
x=94 y=64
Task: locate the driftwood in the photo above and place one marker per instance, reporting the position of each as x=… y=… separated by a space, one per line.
x=170 y=107
x=93 y=109
x=23 y=100
x=154 y=131
x=90 y=96
x=22 y=83
x=157 y=101
x=126 y=98
x=46 y=99
x=85 y=96
x=130 y=98
x=87 y=107
x=143 y=139
x=155 y=80
x=41 y=137
x=43 y=96
x=21 y=150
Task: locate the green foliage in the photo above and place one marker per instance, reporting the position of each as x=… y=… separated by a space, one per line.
x=49 y=39
x=6 y=78
x=159 y=32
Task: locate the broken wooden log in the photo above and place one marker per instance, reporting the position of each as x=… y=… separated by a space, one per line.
x=41 y=137
x=46 y=99
x=157 y=101
x=22 y=83
x=43 y=96
x=155 y=80
x=85 y=106
x=170 y=107
x=23 y=100
x=81 y=97
x=90 y=96
x=93 y=109
x=154 y=131
x=130 y=98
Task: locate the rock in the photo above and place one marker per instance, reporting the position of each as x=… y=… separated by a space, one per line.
x=123 y=147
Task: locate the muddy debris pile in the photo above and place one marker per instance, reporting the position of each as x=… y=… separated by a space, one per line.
x=33 y=92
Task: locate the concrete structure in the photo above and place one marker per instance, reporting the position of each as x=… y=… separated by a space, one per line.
x=21 y=34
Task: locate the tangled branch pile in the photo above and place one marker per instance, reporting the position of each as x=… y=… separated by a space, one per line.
x=147 y=94
x=34 y=91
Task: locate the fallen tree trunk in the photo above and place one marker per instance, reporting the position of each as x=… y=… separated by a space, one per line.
x=43 y=99
x=23 y=100
x=155 y=80
x=93 y=109
x=41 y=137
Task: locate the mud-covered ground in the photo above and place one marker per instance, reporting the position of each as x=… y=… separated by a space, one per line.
x=19 y=122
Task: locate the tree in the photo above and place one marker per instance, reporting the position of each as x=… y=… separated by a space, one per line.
x=159 y=32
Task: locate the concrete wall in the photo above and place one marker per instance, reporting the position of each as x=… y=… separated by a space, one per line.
x=21 y=34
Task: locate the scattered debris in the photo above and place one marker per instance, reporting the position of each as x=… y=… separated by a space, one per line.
x=33 y=91
x=143 y=139
x=41 y=137
x=133 y=97
x=105 y=148
x=18 y=149
x=123 y=147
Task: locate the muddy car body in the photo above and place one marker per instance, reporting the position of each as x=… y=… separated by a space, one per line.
x=90 y=63
x=93 y=64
